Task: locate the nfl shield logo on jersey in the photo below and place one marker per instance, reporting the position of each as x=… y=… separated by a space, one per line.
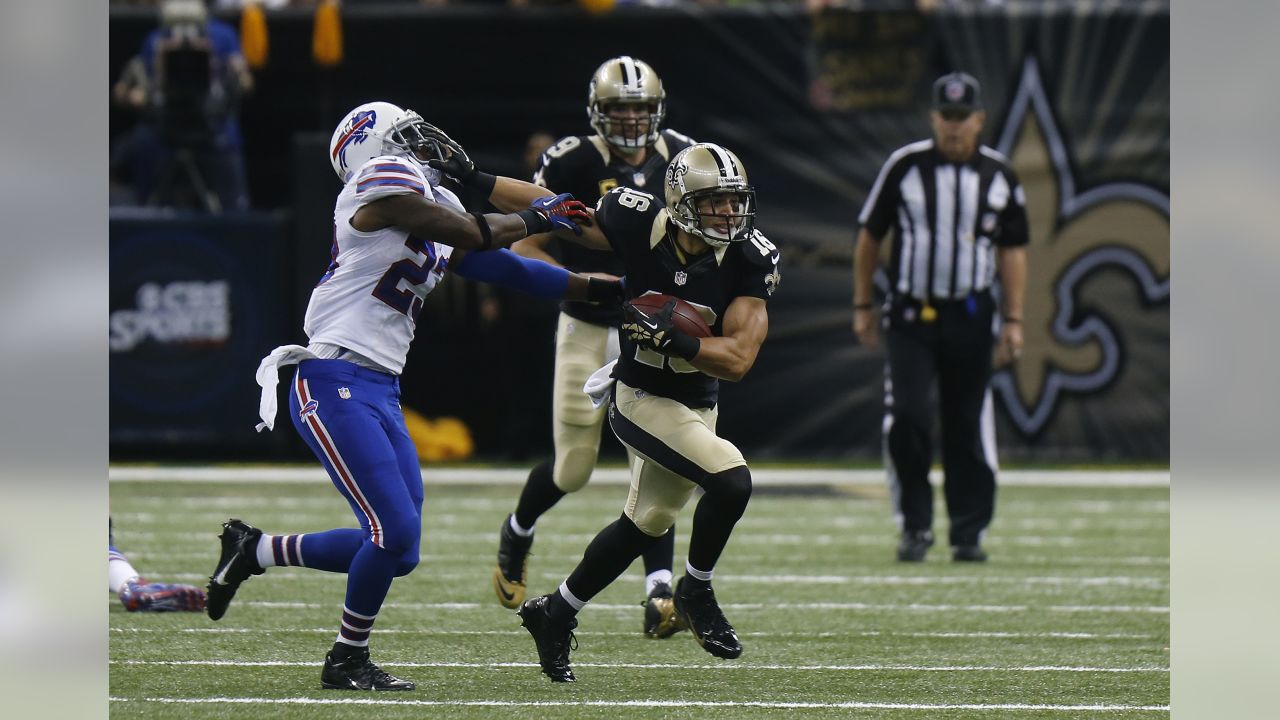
x=681 y=277
x=638 y=179
x=988 y=222
x=344 y=393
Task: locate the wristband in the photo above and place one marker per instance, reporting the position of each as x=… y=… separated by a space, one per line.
x=535 y=222
x=603 y=291
x=481 y=182
x=684 y=346
x=486 y=235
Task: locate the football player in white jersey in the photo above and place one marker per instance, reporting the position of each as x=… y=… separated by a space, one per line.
x=396 y=231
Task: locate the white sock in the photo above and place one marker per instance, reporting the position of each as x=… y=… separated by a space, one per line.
x=515 y=527
x=266 y=558
x=119 y=571
x=570 y=598
x=654 y=578
x=695 y=572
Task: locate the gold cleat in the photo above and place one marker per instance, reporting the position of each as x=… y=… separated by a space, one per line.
x=660 y=618
x=510 y=592
x=512 y=572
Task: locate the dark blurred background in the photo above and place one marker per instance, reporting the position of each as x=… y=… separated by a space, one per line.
x=812 y=96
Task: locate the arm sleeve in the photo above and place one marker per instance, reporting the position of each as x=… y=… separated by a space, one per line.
x=1013 y=221
x=505 y=268
x=877 y=211
x=630 y=223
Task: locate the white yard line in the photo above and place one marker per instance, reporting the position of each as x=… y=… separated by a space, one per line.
x=671 y=666
x=1145 y=583
x=892 y=607
x=619 y=476
x=589 y=633
x=853 y=705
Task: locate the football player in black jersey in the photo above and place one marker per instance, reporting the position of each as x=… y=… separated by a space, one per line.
x=626 y=105
x=700 y=245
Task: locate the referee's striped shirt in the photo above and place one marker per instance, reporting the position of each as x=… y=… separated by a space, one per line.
x=948 y=219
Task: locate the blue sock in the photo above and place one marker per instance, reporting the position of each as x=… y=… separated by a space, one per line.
x=369 y=578
x=332 y=550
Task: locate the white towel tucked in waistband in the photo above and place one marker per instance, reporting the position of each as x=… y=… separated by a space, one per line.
x=599 y=385
x=268 y=376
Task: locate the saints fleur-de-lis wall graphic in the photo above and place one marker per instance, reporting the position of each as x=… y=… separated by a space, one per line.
x=1072 y=344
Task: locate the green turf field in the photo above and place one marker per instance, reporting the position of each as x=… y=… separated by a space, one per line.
x=1070 y=618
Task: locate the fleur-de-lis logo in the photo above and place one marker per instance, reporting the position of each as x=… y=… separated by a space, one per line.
x=1071 y=343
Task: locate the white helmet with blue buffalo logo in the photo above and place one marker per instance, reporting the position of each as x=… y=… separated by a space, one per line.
x=380 y=128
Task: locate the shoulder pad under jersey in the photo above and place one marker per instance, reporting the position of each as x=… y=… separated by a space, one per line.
x=389 y=175
x=758 y=250
x=625 y=212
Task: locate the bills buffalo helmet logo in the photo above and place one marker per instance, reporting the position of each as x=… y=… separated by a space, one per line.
x=357 y=129
x=310 y=408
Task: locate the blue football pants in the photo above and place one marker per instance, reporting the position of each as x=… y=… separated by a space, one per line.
x=350 y=417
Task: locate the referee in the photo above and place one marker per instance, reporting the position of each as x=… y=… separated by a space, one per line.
x=959 y=217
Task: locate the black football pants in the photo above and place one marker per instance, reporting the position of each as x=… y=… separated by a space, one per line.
x=955 y=349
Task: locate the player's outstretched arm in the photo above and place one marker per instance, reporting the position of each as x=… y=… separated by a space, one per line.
x=426 y=219
x=534 y=277
x=730 y=356
x=536 y=247
x=509 y=193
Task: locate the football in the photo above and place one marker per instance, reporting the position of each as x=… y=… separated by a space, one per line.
x=684 y=316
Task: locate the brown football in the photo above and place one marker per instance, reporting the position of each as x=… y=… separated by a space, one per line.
x=684 y=316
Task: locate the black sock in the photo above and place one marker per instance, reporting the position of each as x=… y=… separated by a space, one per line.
x=540 y=494
x=559 y=609
x=717 y=512
x=694 y=583
x=608 y=556
x=658 y=556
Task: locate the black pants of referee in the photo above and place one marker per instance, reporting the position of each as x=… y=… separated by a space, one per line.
x=955 y=348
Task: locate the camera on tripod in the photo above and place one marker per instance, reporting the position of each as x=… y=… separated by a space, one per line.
x=186 y=103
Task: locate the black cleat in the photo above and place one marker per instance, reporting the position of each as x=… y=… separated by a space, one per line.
x=239 y=560
x=358 y=672
x=512 y=572
x=660 y=618
x=553 y=639
x=914 y=545
x=968 y=553
x=699 y=611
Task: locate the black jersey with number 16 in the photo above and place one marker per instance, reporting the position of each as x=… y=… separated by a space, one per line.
x=583 y=165
x=639 y=230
